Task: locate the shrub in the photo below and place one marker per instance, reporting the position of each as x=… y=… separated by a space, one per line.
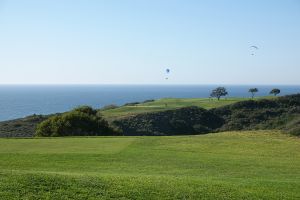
x=82 y=121
x=109 y=107
x=131 y=104
x=85 y=109
x=293 y=127
x=148 y=101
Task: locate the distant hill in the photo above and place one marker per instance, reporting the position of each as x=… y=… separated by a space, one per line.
x=187 y=116
x=151 y=106
x=23 y=127
x=276 y=113
x=281 y=113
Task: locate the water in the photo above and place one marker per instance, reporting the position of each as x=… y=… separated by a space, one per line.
x=23 y=100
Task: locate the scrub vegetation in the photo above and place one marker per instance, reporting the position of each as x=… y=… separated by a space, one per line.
x=281 y=113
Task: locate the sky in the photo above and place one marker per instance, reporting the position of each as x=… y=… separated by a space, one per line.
x=135 y=41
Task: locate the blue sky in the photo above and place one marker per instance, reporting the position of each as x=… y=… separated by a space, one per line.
x=134 y=41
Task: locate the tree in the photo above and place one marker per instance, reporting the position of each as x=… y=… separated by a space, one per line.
x=219 y=92
x=253 y=91
x=275 y=91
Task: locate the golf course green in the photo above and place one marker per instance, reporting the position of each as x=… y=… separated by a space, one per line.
x=228 y=165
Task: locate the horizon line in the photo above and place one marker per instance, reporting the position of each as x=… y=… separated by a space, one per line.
x=143 y=84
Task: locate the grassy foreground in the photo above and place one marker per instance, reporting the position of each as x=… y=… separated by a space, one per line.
x=232 y=165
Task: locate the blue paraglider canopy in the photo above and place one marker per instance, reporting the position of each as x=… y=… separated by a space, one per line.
x=167 y=73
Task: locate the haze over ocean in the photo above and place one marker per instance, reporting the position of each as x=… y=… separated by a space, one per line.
x=22 y=100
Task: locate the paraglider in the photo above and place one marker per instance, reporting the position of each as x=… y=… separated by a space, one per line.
x=253 y=49
x=167 y=71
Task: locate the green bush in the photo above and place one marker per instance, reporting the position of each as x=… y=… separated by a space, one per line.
x=86 y=109
x=132 y=104
x=82 y=121
x=109 y=107
x=293 y=127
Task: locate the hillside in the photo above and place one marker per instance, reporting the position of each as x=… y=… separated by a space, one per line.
x=25 y=127
x=150 y=106
x=281 y=113
x=187 y=120
x=231 y=165
x=186 y=116
x=262 y=114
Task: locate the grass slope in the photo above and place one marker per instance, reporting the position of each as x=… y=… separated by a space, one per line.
x=166 y=104
x=231 y=165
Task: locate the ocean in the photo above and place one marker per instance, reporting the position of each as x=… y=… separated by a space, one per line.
x=22 y=100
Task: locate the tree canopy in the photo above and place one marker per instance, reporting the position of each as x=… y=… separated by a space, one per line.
x=275 y=91
x=253 y=91
x=219 y=92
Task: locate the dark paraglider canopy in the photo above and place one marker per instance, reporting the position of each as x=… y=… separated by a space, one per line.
x=253 y=49
x=168 y=70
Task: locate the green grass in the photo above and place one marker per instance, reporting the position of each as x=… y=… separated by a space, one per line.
x=232 y=165
x=167 y=104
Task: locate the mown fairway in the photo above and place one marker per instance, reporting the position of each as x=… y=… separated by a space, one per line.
x=167 y=104
x=232 y=165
